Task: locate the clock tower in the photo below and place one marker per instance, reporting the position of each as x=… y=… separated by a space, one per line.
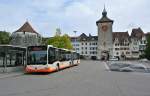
x=105 y=43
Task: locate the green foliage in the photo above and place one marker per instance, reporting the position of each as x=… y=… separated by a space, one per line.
x=4 y=37
x=147 y=51
x=60 y=41
x=44 y=40
x=142 y=56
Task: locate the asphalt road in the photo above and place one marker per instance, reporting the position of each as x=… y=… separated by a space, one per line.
x=90 y=78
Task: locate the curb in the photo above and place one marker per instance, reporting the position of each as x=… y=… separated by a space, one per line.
x=106 y=66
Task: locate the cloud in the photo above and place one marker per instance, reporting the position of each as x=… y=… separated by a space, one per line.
x=80 y=15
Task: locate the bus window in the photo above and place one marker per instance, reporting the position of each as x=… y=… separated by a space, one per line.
x=63 y=56
x=68 y=55
x=58 y=55
x=51 y=55
x=37 y=55
x=78 y=56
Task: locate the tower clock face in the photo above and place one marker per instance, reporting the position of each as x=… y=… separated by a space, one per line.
x=104 y=28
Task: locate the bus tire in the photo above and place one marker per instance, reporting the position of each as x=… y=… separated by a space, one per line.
x=58 y=67
x=70 y=64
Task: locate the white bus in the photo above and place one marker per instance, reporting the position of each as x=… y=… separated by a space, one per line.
x=49 y=59
x=76 y=58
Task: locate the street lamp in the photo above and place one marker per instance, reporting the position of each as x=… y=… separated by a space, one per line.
x=75 y=39
x=75 y=33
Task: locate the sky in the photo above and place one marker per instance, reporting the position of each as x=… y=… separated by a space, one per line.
x=73 y=15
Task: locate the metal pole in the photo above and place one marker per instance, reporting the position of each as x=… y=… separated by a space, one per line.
x=75 y=39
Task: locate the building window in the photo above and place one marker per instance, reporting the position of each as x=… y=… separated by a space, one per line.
x=82 y=43
x=127 y=52
x=116 y=48
x=82 y=52
x=77 y=44
x=144 y=41
x=77 y=48
x=117 y=53
x=135 y=43
x=121 y=48
x=82 y=48
x=85 y=52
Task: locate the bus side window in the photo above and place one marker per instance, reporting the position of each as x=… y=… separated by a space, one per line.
x=51 y=55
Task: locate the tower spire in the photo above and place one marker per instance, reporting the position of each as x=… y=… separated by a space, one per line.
x=104 y=17
x=104 y=13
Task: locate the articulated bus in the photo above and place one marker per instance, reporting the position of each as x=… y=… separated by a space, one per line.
x=49 y=59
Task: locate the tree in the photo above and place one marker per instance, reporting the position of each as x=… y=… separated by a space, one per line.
x=4 y=37
x=147 y=50
x=60 y=41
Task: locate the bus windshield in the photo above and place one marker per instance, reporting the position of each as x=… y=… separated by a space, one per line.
x=37 y=57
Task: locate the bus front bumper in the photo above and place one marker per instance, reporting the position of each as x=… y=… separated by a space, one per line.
x=36 y=70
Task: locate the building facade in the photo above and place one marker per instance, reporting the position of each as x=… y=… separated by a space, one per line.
x=85 y=45
x=25 y=36
x=111 y=44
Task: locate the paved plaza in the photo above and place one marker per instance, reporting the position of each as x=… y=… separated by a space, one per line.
x=90 y=78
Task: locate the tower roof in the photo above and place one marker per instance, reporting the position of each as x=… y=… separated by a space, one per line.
x=104 y=17
x=137 y=33
x=26 y=28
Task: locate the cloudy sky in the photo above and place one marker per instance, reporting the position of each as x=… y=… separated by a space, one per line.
x=73 y=15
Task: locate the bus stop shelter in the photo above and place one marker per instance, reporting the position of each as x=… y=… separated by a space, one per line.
x=12 y=58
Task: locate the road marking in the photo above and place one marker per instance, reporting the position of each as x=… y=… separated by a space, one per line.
x=106 y=66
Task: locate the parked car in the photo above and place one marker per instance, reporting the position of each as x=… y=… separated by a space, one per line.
x=113 y=59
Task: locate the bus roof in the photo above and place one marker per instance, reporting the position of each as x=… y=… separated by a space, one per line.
x=50 y=45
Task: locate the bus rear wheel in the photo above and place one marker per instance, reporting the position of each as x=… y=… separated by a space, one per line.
x=58 y=67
